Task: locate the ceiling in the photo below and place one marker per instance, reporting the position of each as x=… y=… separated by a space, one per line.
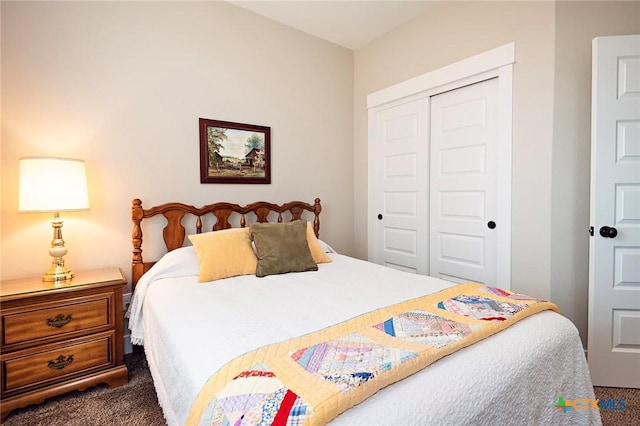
x=348 y=23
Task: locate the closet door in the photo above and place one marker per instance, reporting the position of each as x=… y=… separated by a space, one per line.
x=463 y=185
x=400 y=202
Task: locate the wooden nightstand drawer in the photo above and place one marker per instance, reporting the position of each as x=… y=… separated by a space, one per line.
x=46 y=320
x=60 y=363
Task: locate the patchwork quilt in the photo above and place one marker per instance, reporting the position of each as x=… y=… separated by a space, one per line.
x=311 y=379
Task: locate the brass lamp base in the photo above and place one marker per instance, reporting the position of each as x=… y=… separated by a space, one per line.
x=58 y=272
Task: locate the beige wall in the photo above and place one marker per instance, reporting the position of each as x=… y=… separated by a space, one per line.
x=122 y=85
x=577 y=23
x=551 y=121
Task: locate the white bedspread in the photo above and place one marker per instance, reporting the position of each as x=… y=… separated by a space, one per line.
x=190 y=330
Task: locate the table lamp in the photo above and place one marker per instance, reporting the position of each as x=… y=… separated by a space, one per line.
x=53 y=185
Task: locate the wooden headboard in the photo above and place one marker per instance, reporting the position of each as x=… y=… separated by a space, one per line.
x=174 y=232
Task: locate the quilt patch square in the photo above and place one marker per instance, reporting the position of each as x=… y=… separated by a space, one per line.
x=480 y=308
x=511 y=295
x=255 y=397
x=351 y=360
x=423 y=327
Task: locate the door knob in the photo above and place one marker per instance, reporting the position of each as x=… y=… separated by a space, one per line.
x=491 y=224
x=608 y=232
x=379 y=217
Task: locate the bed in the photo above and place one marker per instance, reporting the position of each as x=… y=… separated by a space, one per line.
x=191 y=329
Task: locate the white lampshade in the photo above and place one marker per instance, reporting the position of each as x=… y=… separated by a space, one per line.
x=52 y=185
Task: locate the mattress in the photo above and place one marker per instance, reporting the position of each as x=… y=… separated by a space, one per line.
x=192 y=329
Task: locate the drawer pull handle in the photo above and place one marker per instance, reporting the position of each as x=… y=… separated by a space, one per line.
x=59 y=321
x=60 y=363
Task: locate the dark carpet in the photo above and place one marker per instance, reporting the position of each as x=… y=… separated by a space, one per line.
x=135 y=404
x=618 y=417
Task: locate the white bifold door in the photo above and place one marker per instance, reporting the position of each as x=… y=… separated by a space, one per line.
x=614 y=252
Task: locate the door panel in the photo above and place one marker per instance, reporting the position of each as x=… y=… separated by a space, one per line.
x=463 y=175
x=625 y=331
x=614 y=258
x=462 y=249
x=462 y=204
x=627 y=271
x=466 y=160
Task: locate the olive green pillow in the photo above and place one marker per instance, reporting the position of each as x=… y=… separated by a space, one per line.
x=282 y=248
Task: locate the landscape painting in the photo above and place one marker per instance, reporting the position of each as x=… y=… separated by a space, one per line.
x=234 y=152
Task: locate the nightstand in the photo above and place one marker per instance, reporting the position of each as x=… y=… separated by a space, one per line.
x=56 y=339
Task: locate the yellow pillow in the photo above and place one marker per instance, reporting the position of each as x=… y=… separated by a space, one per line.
x=223 y=254
x=319 y=256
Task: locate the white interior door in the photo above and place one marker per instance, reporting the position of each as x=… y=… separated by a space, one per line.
x=614 y=255
x=463 y=200
x=401 y=202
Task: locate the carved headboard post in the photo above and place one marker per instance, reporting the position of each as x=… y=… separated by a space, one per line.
x=136 y=238
x=136 y=234
x=317 y=208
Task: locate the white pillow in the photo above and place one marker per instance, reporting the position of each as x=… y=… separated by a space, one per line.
x=326 y=247
x=183 y=261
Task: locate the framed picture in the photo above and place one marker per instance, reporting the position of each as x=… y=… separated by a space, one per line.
x=234 y=152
